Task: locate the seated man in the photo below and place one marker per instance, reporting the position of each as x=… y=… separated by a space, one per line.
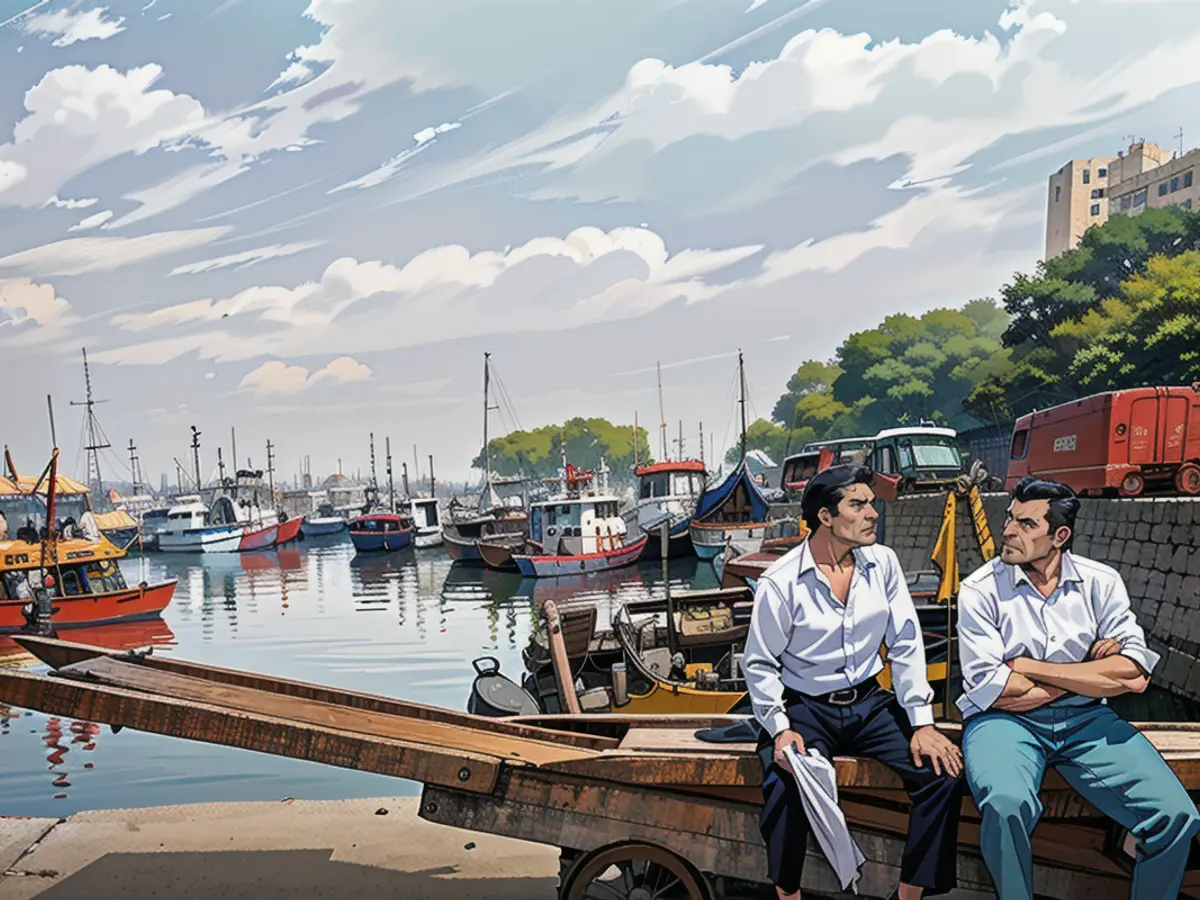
x=821 y=613
x=1044 y=635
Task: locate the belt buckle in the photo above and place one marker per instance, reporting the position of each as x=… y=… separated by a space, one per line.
x=852 y=692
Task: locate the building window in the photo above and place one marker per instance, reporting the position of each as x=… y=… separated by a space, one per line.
x=1087 y=176
x=1095 y=209
x=1097 y=193
x=1162 y=188
x=1125 y=203
x=1057 y=192
x=1174 y=185
x=1139 y=199
x=1102 y=173
x=1187 y=178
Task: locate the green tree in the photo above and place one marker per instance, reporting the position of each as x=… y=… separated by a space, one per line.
x=538 y=452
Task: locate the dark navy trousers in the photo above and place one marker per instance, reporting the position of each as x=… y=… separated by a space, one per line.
x=875 y=727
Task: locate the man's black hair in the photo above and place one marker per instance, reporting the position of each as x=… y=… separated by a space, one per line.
x=1064 y=504
x=826 y=489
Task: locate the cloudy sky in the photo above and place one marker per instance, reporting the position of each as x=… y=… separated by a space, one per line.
x=310 y=218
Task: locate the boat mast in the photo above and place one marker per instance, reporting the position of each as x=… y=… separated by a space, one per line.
x=94 y=446
x=702 y=461
x=270 y=471
x=662 y=416
x=53 y=436
x=374 y=480
x=635 y=440
x=391 y=484
x=742 y=401
x=196 y=454
x=487 y=456
x=404 y=475
x=220 y=465
x=134 y=468
x=432 y=483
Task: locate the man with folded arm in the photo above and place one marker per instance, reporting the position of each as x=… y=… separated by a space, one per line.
x=821 y=614
x=1044 y=636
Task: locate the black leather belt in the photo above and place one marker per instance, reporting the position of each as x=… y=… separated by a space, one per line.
x=844 y=697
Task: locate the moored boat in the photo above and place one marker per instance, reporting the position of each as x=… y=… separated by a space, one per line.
x=667 y=493
x=734 y=511
x=381 y=533
x=426 y=516
x=324 y=521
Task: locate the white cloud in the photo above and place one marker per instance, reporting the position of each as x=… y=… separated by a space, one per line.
x=93 y=221
x=421 y=141
x=277 y=377
x=27 y=301
x=70 y=204
x=846 y=99
x=77 y=256
x=547 y=283
x=78 y=118
x=72 y=27
x=246 y=258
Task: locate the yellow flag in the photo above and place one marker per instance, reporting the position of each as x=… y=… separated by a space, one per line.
x=943 y=555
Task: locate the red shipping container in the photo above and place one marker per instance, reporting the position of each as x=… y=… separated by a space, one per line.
x=1120 y=442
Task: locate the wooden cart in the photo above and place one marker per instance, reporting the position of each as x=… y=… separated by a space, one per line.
x=634 y=803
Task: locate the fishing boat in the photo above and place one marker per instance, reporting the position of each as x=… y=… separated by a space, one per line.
x=426 y=512
x=667 y=492
x=47 y=581
x=381 y=533
x=649 y=800
x=736 y=510
x=579 y=531
x=189 y=528
x=324 y=521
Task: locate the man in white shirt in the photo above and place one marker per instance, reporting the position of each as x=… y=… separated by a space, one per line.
x=821 y=614
x=1044 y=635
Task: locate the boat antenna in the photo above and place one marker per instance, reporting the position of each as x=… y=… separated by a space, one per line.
x=391 y=484
x=742 y=400
x=374 y=479
x=196 y=453
x=94 y=446
x=662 y=416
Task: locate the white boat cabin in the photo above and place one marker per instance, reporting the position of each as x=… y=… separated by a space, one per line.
x=577 y=526
x=425 y=513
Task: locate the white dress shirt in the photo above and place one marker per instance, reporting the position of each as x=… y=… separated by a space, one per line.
x=801 y=637
x=1003 y=616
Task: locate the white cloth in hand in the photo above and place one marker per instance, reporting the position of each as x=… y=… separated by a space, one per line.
x=817 y=780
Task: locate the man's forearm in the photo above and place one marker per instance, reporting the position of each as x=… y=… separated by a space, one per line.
x=1109 y=677
x=1038 y=695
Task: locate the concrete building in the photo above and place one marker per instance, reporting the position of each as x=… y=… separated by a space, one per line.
x=1076 y=201
x=1085 y=192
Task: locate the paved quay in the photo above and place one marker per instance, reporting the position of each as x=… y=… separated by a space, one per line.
x=267 y=851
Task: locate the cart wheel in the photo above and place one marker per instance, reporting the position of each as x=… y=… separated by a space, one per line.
x=1187 y=479
x=1133 y=484
x=634 y=872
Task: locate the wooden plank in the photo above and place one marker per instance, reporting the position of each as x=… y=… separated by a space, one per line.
x=59 y=654
x=469 y=771
x=448 y=737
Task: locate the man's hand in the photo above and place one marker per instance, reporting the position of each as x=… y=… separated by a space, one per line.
x=783 y=740
x=928 y=741
x=1104 y=647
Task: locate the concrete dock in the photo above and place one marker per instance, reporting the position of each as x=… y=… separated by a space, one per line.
x=267 y=851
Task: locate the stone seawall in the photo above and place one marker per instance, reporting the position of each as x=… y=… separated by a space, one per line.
x=1153 y=543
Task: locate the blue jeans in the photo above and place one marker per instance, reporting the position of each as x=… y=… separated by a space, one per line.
x=1108 y=761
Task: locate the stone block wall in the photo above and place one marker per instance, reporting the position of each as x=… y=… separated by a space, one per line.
x=1153 y=543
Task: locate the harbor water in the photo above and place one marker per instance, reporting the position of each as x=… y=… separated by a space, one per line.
x=405 y=625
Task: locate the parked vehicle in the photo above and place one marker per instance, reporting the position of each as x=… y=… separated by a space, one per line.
x=1126 y=443
x=925 y=458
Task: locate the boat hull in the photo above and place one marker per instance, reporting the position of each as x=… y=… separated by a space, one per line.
x=289 y=531
x=710 y=540
x=679 y=541
x=497 y=553
x=94 y=609
x=380 y=541
x=323 y=527
x=552 y=566
x=217 y=539
x=463 y=550
x=260 y=539
x=431 y=537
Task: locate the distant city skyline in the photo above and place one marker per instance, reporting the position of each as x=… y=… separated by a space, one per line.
x=321 y=236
